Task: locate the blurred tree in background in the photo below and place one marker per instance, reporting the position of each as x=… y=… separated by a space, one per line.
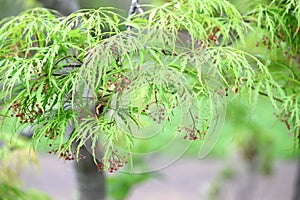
x=15 y=156
x=9 y=8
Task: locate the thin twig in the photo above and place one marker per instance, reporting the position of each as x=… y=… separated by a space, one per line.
x=266 y=95
x=66 y=57
x=135 y=7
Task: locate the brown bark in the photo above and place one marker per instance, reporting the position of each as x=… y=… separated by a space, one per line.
x=297 y=184
x=90 y=181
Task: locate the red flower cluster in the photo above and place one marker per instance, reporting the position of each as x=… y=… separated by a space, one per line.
x=191 y=133
x=25 y=116
x=114 y=163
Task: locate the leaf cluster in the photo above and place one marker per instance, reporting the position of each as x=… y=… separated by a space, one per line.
x=86 y=72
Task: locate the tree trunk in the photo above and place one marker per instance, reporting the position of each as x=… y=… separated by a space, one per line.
x=90 y=181
x=297 y=185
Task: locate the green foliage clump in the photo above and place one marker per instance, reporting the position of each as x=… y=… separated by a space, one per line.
x=85 y=72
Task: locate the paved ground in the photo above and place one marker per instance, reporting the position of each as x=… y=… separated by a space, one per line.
x=188 y=179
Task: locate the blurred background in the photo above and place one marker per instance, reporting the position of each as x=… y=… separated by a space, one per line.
x=253 y=159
